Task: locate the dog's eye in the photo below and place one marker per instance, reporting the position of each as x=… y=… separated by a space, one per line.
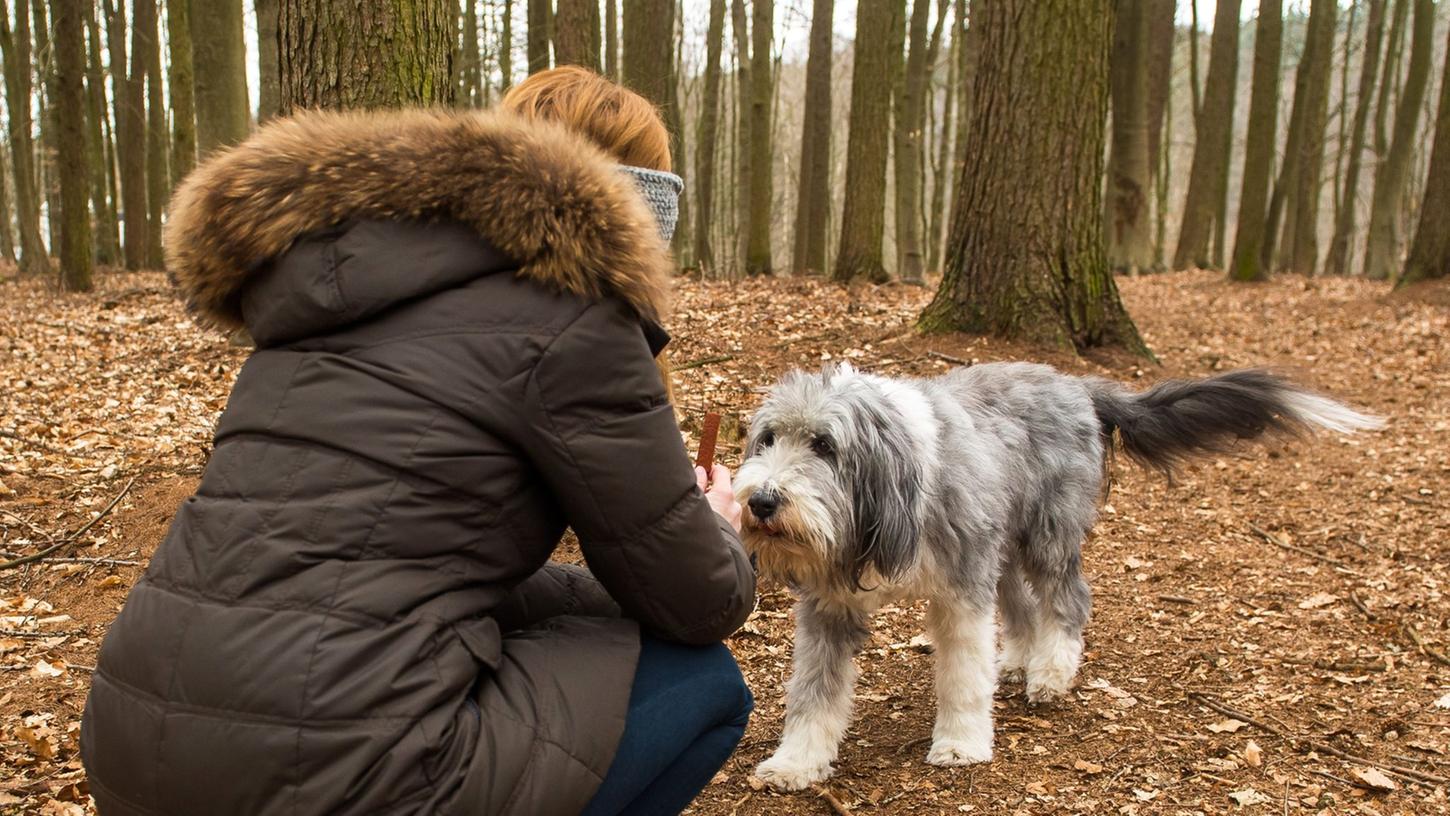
x=766 y=439
x=822 y=446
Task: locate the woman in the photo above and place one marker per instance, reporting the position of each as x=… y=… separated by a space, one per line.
x=456 y=316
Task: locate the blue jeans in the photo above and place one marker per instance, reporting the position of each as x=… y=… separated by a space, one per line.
x=687 y=712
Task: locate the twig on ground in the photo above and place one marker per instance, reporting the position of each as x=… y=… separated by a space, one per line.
x=112 y=562
x=1339 y=665
x=949 y=358
x=1281 y=543
x=703 y=361
x=908 y=745
x=1178 y=599
x=1418 y=777
x=831 y=800
x=25 y=633
x=1420 y=644
x=38 y=445
x=1359 y=604
x=70 y=539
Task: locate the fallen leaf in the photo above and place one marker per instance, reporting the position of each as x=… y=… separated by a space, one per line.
x=38 y=739
x=1088 y=768
x=1143 y=795
x=1375 y=779
x=1253 y=754
x=111 y=581
x=44 y=669
x=1317 y=600
x=1036 y=788
x=1247 y=797
x=1226 y=726
x=1443 y=702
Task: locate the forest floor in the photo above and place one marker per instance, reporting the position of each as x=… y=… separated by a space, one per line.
x=1270 y=629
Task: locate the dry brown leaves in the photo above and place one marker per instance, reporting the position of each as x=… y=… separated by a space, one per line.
x=1325 y=632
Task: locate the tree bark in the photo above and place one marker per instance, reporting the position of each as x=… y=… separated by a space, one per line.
x=1390 y=77
x=223 y=114
x=813 y=199
x=146 y=48
x=1430 y=250
x=183 y=87
x=706 y=138
x=1026 y=258
x=1382 y=249
x=7 y=238
x=468 y=93
x=1338 y=262
x=942 y=169
x=1162 y=31
x=1208 y=177
x=269 y=88
x=98 y=148
x=70 y=117
x=389 y=55
x=740 y=27
x=611 y=40
x=540 y=12
x=762 y=184
x=1195 y=91
x=131 y=142
x=576 y=33
x=44 y=93
x=1302 y=252
x=15 y=45
x=863 y=217
x=908 y=112
x=966 y=73
x=506 y=48
x=1259 y=156
x=1129 y=242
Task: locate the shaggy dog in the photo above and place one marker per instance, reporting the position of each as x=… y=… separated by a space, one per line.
x=974 y=491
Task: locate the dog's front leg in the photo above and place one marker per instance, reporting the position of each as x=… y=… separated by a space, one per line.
x=818 y=694
x=966 y=677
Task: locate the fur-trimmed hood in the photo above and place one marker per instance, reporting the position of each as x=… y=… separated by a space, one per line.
x=546 y=198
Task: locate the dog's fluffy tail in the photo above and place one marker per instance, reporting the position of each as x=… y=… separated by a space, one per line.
x=1177 y=419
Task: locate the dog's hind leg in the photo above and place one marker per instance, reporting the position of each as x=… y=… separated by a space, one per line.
x=966 y=677
x=1019 y=622
x=1064 y=603
x=818 y=694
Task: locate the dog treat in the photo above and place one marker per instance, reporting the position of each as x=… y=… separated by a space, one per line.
x=708 y=433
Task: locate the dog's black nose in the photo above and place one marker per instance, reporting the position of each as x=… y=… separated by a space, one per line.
x=763 y=505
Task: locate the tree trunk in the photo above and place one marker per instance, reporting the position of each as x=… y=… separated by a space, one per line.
x=1208 y=177
x=1162 y=31
x=269 y=89
x=219 y=56
x=44 y=93
x=131 y=143
x=7 y=238
x=15 y=45
x=576 y=33
x=467 y=93
x=1382 y=249
x=1430 y=250
x=813 y=199
x=334 y=55
x=1129 y=242
x=740 y=26
x=611 y=40
x=863 y=217
x=506 y=48
x=107 y=239
x=540 y=12
x=1259 y=156
x=706 y=132
x=1194 y=88
x=1341 y=114
x=146 y=47
x=1280 y=201
x=1390 y=77
x=909 y=110
x=1026 y=258
x=1339 y=261
x=649 y=64
x=183 y=88
x=70 y=116
x=941 y=170
x=1303 y=250
x=966 y=72
x=762 y=186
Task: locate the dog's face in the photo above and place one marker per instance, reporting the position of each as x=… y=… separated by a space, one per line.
x=830 y=485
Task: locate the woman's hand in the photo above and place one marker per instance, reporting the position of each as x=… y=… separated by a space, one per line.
x=717 y=490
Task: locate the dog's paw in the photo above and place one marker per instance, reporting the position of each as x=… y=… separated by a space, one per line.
x=789 y=774
x=1048 y=686
x=954 y=752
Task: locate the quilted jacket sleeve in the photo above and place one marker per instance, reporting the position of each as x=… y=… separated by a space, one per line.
x=604 y=438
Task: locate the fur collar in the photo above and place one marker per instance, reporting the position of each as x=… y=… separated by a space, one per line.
x=540 y=194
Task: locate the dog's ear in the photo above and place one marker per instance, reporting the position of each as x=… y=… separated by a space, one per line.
x=885 y=480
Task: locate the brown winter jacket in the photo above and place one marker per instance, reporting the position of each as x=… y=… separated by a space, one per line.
x=455 y=317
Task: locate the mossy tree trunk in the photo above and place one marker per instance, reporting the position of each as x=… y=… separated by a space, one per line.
x=740 y=27
x=576 y=33
x=146 y=45
x=1026 y=257
x=131 y=140
x=15 y=45
x=182 y=84
x=1208 y=176
x=1259 y=154
x=333 y=54
x=269 y=89
x=540 y=20
x=1129 y=239
x=1339 y=258
x=863 y=216
x=46 y=93
x=1430 y=250
x=1301 y=241
x=219 y=56
x=70 y=116
x=1382 y=249
x=107 y=231
x=907 y=117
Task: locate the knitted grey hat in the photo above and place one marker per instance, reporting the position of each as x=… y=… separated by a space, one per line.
x=661 y=192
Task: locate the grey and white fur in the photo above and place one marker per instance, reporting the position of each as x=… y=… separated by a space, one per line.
x=973 y=491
